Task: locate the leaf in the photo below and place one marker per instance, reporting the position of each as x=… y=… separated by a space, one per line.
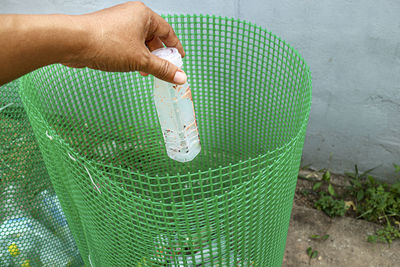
x=372 y=238
x=371 y=179
x=364 y=174
x=357 y=183
x=356 y=169
x=395 y=188
x=350 y=174
x=396 y=167
x=314 y=254
x=360 y=195
x=350 y=204
x=365 y=213
x=309 y=251
x=325 y=237
x=326 y=176
x=331 y=190
x=317 y=186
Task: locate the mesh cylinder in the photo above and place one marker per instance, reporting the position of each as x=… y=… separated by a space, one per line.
x=33 y=230
x=127 y=203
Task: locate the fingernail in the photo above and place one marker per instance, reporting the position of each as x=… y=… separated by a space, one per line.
x=180 y=77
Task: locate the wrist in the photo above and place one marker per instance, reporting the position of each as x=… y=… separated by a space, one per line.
x=73 y=36
x=53 y=39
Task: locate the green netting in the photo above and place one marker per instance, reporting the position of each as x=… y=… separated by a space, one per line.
x=33 y=229
x=127 y=203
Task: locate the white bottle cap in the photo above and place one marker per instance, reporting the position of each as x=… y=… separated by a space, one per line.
x=171 y=54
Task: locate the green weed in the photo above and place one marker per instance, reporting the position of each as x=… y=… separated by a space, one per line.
x=378 y=202
x=372 y=200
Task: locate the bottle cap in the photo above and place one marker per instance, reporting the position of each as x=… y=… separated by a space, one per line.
x=171 y=54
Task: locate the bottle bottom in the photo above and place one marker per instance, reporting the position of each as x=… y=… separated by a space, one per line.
x=185 y=156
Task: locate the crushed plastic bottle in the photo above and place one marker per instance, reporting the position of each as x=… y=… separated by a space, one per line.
x=52 y=216
x=18 y=242
x=25 y=241
x=176 y=114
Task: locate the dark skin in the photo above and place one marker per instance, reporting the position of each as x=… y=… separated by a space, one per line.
x=116 y=39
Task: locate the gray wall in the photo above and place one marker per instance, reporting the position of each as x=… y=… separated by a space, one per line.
x=353 y=48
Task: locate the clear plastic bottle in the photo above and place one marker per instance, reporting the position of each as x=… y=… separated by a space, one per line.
x=176 y=113
x=24 y=240
x=18 y=241
x=52 y=216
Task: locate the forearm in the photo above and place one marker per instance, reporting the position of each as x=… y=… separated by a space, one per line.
x=116 y=39
x=28 y=42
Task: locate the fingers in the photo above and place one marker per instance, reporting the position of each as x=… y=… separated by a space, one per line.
x=164 y=70
x=154 y=43
x=159 y=27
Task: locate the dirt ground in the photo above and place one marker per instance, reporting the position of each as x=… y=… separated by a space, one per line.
x=347 y=243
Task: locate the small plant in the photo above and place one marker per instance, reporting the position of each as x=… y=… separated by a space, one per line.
x=331 y=207
x=327 y=202
x=326 y=179
x=396 y=167
x=356 y=188
x=312 y=254
x=386 y=234
x=370 y=199
x=377 y=202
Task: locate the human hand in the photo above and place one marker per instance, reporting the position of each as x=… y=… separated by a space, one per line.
x=121 y=38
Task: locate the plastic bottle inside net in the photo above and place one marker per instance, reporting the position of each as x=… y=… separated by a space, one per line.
x=176 y=113
x=23 y=240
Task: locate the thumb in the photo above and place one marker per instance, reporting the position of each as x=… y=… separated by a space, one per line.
x=164 y=70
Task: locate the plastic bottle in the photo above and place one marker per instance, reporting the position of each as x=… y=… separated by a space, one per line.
x=176 y=113
x=53 y=253
x=52 y=216
x=199 y=259
x=25 y=239
x=19 y=244
x=20 y=241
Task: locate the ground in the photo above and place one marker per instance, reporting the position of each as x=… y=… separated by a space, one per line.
x=347 y=243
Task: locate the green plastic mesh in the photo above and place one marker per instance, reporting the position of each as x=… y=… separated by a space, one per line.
x=33 y=230
x=127 y=203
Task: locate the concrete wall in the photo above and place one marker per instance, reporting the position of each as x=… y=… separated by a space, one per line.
x=353 y=48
